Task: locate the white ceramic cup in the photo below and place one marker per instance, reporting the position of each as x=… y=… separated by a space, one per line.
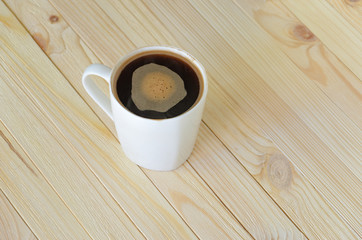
x=157 y=144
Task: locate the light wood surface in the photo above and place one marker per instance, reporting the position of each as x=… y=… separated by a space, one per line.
x=11 y=224
x=343 y=37
x=279 y=148
x=36 y=201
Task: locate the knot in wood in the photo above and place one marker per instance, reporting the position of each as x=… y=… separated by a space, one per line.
x=303 y=33
x=279 y=171
x=53 y=18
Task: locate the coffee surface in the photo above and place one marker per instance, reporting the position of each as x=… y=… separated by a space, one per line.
x=158 y=86
x=155 y=87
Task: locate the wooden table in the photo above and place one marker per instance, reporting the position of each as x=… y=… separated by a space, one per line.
x=278 y=155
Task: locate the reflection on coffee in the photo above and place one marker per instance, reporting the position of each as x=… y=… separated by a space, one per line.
x=158 y=86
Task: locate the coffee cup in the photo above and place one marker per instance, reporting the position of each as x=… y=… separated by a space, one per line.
x=157 y=98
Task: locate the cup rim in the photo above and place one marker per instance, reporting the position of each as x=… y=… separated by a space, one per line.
x=179 y=52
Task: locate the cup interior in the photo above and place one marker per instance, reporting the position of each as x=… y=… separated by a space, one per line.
x=167 y=51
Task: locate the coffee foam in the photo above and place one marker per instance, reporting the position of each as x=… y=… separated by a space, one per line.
x=156 y=87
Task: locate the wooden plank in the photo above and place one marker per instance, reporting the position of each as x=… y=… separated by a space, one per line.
x=135 y=13
x=322 y=67
x=304 y=98
x=333 y=29
x=273 y=170
x=264 y=227
x=311 y=56
x=237 y=116
x=60 y=43
x=63 y=164
x=325 y=134
x=12 y=225
x=351 y=10
x=199 y=206
x=62 y=167
x=240 y=107
x=240 y=193
x=98 y=20
x=28 y=190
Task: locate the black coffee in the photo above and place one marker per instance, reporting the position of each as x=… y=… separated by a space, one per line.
x=158 y=86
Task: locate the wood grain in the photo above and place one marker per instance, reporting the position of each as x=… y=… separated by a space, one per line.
x=60 y=43
x=73 y=176
x=351 y=10
x=311 y=56
x=314 y=109
x=237 y=71
x=202 y=203
x=265 y=228
x=85 y=13
x=315 y=119
x=238 y=191
x=275 y=172
x=60 y=164
x=253 y=111
x=28 y=190
x=196 y=206
x=126 y=4
x=120 y=21
x=323 y=68
x=12 y=225
x=340 y=37
x=220 y=211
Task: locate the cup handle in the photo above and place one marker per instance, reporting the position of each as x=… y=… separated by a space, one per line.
x=93 y=90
